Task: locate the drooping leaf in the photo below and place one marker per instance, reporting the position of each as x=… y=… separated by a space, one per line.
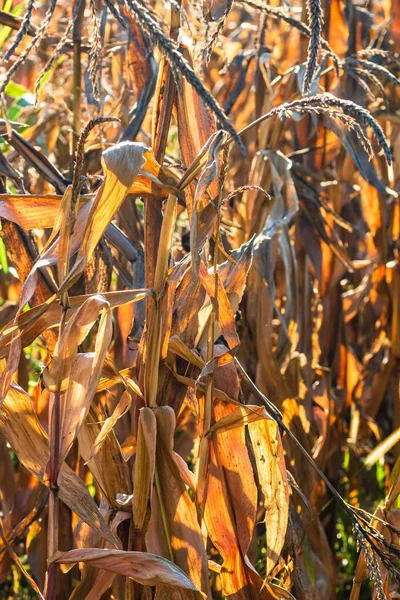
x=143 y=567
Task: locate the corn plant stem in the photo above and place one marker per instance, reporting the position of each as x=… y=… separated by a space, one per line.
x=210 y=378
x=154 y=338
x=395 y=336
x=152 y=211
x=161 y=140
x=153 y=356
x=77 y=76
x=55 y=447
x=129 y=583
x=152 y=229
x=155 y=325
x=167 y=231
x=211 y=334
x=204 y=446
x=52 y=544
x=54 y=508
x=52 y=539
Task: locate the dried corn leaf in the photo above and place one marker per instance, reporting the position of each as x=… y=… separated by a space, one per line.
x=271 y=469
x=34 y=321
x=243 y=415
x=144 y=466
x=214 y=287
x=74 y=493
x=30 y=211
x=230 y=495
x=122 y=407
x=196 y=124
x=21 y=428
x=200 y=202
x=172 y=502
x=142 y=72
x=56 y=375
x=121 y=165
x=107 y=465
x=143 y=567
x=162 y=110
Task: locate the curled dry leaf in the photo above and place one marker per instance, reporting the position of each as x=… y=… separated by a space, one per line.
x=202 y=225
x=106 y=464
x=74 y=376
x=34 y=321
x=121 y=165
x=122 y=407
x=143 y=567
x=21 y=428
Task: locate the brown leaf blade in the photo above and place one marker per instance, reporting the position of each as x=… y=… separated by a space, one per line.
x=143 y=567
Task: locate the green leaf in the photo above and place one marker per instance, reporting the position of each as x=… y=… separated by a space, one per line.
x=16 y=90
x=48 y=74
x=18 y=106
x=18 y=9
x=3 y=257
x=4 y=30
x=309 y=562
x=8 y=5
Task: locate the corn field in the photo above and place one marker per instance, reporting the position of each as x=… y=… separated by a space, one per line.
x=200 y=300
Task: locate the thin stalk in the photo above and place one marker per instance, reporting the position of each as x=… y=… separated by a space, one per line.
x=77 y=77
x=161 y=137
x=152 y=210
x=53 y=529
x=210 y=378
x=204 y=446
x=155 y=325
x=55 y=444
x=52 y=545
x=129 y=583
x=154 y=315
x=211 y=328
